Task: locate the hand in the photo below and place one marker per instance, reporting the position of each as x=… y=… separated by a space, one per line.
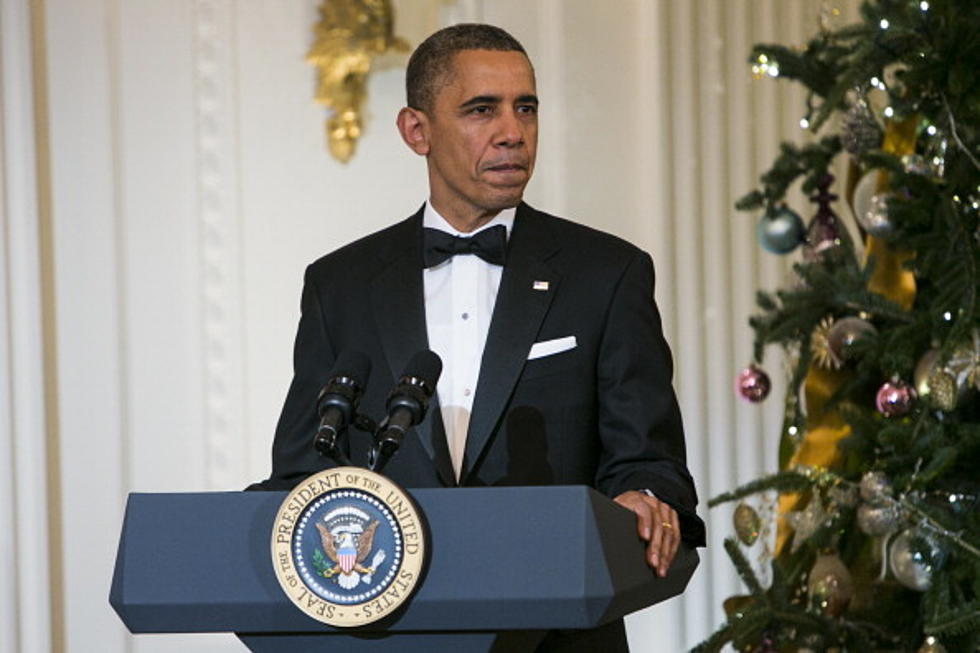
x=656 y=523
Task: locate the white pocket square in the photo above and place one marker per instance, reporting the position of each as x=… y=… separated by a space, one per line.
x=552 y=347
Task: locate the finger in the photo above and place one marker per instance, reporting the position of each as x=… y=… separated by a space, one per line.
x=655 y=550
x=669 y=546
x=677 y=534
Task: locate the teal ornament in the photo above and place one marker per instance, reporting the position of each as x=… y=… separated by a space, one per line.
x=781 y=230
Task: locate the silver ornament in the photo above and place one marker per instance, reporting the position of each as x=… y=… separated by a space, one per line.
x=913 y=567
x=860 y=131
x=781 y=230
x=844 y=333
x=806 y=522
x=875 y=487
x=877 y=520
x=875 y=220
x=916 y=164
x=964 y=363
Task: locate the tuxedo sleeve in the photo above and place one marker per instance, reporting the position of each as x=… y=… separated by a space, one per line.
x=293 y=455
x=640 y=426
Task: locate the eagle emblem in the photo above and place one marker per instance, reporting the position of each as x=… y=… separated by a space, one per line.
x=347 y=544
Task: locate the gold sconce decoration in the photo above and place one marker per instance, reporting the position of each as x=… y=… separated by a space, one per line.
x=350 y=34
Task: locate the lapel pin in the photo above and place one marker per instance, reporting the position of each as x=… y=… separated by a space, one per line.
x=540 y=285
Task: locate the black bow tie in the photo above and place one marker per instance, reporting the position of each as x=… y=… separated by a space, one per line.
x=489 y=244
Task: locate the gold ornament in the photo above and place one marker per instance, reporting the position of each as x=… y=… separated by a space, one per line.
x=923 y=370
x=747 y=524
x=942 y=389
x=350 y=34
x=829 y=585
x=820 y=348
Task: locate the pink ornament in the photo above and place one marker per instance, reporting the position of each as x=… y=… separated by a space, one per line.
x=752 y=384
x=895 y=398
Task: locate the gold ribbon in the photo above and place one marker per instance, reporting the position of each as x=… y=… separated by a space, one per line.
x=825 y=428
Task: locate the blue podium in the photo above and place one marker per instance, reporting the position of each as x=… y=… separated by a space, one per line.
x=505 y=566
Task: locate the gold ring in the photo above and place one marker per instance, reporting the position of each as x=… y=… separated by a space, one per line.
x=667 y=525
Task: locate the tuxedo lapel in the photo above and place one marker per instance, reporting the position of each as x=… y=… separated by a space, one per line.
x=526 y=288
x=398 y=302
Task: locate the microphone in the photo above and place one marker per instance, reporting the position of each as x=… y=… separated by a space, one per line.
x=337 y=403
x=406 y=405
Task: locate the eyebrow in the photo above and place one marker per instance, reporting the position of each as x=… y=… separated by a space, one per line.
x=496 y=99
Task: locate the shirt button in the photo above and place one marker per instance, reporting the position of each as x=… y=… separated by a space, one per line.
x=466 y=392
x=466 y=316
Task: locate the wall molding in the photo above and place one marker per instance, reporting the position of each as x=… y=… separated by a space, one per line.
x=220 y=232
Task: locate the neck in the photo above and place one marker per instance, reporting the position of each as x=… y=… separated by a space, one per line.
x=464 y=221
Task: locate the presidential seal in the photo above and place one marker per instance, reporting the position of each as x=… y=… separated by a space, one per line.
x=348 y=546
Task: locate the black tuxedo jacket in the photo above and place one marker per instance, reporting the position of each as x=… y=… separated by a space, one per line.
x=602 y=414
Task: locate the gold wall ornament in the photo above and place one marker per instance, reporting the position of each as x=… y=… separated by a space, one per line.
x=350 y=34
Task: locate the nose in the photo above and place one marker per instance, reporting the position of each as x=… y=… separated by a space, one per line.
x=510 y=132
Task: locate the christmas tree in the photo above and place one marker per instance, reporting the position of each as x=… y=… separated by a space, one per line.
x=877 y=532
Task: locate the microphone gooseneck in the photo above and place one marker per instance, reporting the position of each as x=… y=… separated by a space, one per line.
x=407 y=404
x=337 y=403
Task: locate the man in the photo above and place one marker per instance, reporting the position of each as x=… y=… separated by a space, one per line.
x=556 y=370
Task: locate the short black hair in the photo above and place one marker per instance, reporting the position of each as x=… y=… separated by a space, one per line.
x=432 y=60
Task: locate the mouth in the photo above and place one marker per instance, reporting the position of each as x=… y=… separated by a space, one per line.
x=508 y=169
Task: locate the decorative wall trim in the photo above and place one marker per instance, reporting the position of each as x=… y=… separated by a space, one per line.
x=220 y=239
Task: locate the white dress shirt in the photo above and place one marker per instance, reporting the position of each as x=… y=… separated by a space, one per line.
x=459 y=297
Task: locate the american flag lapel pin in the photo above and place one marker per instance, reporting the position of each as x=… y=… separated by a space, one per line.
x=540 y=285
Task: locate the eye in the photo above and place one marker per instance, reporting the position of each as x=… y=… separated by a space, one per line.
x=527 y=108
x=481 y=109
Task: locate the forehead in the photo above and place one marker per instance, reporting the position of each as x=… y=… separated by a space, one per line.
x=488 y=72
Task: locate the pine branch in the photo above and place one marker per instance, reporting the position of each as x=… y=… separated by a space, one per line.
x=745 y=571
x=738 y=627
x=787 y=481
x=958 y=621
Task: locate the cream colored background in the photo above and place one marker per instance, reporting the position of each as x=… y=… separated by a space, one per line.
x=164 y=182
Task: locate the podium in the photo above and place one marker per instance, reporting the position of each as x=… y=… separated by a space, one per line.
x=505 y=566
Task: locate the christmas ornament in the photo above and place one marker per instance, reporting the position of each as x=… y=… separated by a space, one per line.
x=964 y=364
x=894 y=398
x=806 y=522
x=875 y=219
x=766 y=645
x=844 y=494
x=823 y=234
x=753 y=384
x=747 y=524
x=845 y=333
x=931 y=645
x=829 y=585
x=780 y=231
x=923 y=370
x=877 y=520
x=860 y=132
x=820 y=348
x=864 y=190
x=916 y=164
x=943 y=393
x=910 y=565
x=875 y=487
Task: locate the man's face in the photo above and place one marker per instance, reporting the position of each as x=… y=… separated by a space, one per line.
x=482 y=134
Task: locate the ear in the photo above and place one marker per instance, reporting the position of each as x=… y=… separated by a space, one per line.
x=413 y=126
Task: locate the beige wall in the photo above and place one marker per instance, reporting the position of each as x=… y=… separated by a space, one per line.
x=164 y=182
